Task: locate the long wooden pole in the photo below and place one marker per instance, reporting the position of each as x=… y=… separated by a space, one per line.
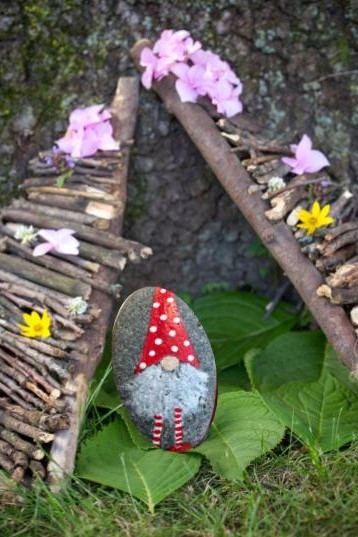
x=278 y=238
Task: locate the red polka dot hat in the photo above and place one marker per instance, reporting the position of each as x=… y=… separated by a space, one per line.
x=166 y=335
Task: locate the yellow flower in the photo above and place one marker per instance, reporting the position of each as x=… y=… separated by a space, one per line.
x=316 y=218
x=36 y=326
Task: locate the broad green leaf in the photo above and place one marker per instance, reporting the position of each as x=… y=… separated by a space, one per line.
x=235 y=322
x=138 y=439
x=111 y=458
x=323 y=414
x=296 y=356
x=243 y=429
x=233 y=379
x=340 y=371
x=302 y=383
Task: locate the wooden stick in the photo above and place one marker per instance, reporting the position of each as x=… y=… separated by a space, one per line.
x=18 y=395
x=73 y=193
x=47 y=210
x=47 y=422
x=277 y=237
x=134 y=250
x=339 y=295
x=78 y=203
x=32 y=291
x=328 y=264
x=50 y=385
x=329 y=248
x=33 y=451
x=18 y=457
x=33 y=357
x=30 y=431
x=43 y=276
x=334 y=232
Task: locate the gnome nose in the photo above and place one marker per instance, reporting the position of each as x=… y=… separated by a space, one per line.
x=169 y=363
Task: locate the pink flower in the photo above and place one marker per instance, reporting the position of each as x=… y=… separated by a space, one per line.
x=225 y=97
x=176 y=46
x=215 y=65
x=155 y=68
x=191 y=82
x=306 y=160
x=60 y=241
x=89 y=130
x=171 y=49
x=199 y=72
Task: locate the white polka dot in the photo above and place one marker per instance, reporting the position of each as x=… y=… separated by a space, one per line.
x=170 y=299
x=186 y=343
x=163 y=317
x=156 y=304
x=163 y=290
x=151 y=353
x=190 y=358
x=176 y=320
x=172 y=333
x=174 y=348
x=142 y=365
x=158 y=341
x=153 y=329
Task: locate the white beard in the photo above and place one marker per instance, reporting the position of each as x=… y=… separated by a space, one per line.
x=155 y=391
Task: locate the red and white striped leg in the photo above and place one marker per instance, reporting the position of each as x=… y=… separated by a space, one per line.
x=157 y=430
x=179 y=445
x=178 y=428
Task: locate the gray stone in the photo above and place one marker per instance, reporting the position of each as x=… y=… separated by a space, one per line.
x=164 y=369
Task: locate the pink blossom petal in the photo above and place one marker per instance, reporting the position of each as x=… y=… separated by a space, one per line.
x=69 y=246
x=105 y=114
x=49 y=235
x=230 y=107
x=317 y=161
x=81 y=117
x=186 y=92
x=307 y=160
x=290 y=161
x=71 y=142
x=89 y=144
x=42 y=249
x=64 y=233
x=147 y=78
x=304 y=147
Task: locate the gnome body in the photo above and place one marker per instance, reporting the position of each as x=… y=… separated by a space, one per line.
x=170 y=391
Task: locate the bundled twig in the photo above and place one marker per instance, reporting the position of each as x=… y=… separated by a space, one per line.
x=44 y=382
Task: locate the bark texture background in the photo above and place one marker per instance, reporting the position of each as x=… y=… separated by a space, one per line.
x=299 y=65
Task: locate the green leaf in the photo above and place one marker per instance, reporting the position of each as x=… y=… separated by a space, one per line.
x=61 y=179
x=111 y=458
x=235 y=322
x=341 y=372
x=233 y=378
x=138 y=439
x=243 y=429
x=296 y=356
x=305 y=393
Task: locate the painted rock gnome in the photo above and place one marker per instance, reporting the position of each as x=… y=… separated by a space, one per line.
x=164 y=369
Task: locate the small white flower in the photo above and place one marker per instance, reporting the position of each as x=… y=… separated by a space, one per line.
x=77 y=306
x=275 y=183
x=26 y=234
